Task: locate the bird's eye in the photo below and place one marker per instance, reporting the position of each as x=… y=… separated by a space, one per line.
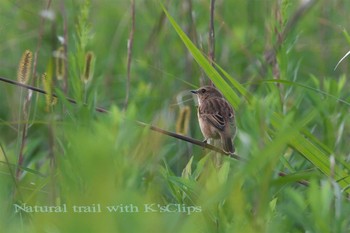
x=203 y=90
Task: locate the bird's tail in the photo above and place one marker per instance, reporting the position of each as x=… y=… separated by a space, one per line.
x=227 y=144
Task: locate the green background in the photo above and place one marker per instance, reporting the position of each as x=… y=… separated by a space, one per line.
x=292 y=117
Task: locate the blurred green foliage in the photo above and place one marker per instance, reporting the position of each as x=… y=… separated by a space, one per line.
x=292 y=119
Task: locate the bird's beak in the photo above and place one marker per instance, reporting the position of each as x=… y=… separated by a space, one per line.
x=194 y=92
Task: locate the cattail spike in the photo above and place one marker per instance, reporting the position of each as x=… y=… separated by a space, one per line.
x=24 y=67
x=60 y=63
x=88 y=67
x=183 y=120
x=48 y=86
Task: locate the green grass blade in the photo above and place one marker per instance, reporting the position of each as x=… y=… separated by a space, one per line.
x=203 y=62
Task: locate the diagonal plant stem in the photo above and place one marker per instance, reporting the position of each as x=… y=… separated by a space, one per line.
x=23 y=141
x=98 y=109
x=212 y=34
x=102 y=110
x=211 y=54
x=188 y=139
x=13 y=176
x=153 y=128
x=40 y=36
x=130 y=46
x=65 y=45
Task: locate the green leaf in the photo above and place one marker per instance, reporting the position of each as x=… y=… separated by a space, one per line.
x=224 y=172
x=203 y=62
x=187 y=171
x=200 y=166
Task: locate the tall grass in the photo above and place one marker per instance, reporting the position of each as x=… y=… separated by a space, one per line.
x=111 y=175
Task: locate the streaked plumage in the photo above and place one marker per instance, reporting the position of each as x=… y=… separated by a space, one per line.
x=216 y=117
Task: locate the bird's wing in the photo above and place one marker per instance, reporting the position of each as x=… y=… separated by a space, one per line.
x=215 y=110
x=216 y=120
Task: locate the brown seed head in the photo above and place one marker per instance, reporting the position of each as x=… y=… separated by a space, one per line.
x=88 y=67
x=24 y=67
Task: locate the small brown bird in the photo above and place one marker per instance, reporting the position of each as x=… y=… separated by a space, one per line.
x=216 y=117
